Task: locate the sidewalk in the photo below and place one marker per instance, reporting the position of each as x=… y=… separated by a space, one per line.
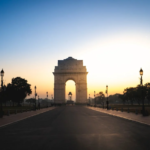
x=6 y=120
x=130 y=116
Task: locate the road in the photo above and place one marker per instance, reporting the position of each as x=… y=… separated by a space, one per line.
x=75 y=128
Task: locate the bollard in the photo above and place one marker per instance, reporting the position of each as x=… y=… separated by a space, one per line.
x=16 y=111
x=122 y=110
x=8 y=112
x=116 y=109
x=128 y=110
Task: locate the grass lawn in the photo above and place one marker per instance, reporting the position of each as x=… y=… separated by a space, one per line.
x=18 y=109
x=14 y=109
x=130 y=108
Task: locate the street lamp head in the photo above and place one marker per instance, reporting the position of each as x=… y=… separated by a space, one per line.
x=2 y=72
x=70 y=93
x=106 y=87
x=141 y=72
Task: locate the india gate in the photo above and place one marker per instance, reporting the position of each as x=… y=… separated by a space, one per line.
x=70 y=69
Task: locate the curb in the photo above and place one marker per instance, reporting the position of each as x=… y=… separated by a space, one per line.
x=24 y=118
x=121 y=117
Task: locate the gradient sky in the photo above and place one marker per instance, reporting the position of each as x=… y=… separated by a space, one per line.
x=112 y=37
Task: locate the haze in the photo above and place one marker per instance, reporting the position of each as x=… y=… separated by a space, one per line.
x=111 y=37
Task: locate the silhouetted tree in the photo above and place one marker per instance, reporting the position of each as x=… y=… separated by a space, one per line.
x=122 y=97
x=18 y=90
x=30 y=100
x=138 y=93
x=114 y=98
x=131 y=92
x=147 y=85
x=3 y=95
x=141 y=93
x=101 y=98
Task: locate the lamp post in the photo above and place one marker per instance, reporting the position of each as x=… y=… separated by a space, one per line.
x=89 y=99
x=107 y=96
x=2 y=74
x=51 y=100
x=1 y=109
x=70 y=95
x=94 y=99
x=47 y=98
x=102 y=101
x=38 y=99
x=141 y=82
x=35 y=97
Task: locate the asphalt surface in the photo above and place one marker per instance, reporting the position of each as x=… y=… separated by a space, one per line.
x=75 y=128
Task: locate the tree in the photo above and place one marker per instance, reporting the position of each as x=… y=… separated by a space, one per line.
x=101 y=98
x=18 y=90
x=3 y=95
x=131 y=92
x=141 y=93
x=122 y=96
x=31 y=100
x=147 y=85
x=138 y=93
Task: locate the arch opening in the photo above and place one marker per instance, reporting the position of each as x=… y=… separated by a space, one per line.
x=70 y=87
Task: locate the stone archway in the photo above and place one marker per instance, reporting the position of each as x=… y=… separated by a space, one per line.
x=70 y=69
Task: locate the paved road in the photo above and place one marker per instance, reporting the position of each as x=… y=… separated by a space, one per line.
x=75 y=128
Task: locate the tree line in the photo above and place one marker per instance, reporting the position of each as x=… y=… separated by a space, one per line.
x=130 y=95
x=136 y=94
x=99 y=99
x=16 y=91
